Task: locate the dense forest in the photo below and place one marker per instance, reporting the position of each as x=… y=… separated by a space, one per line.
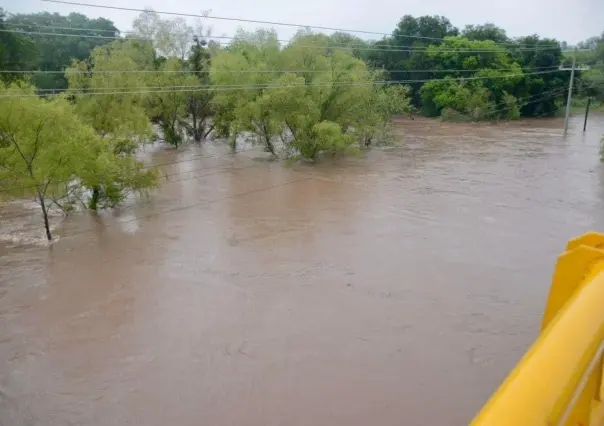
x=78 y=97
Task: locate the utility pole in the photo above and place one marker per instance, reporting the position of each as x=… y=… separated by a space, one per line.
x=570 y=91
x=586 y=113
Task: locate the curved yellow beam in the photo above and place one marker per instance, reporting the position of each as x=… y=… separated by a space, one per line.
x=557 y=382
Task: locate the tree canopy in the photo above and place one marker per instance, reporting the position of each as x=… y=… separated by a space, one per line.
x=316 y=101
x=56 y=52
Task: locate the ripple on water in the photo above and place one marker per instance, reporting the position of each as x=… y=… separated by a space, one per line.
x=360 y=296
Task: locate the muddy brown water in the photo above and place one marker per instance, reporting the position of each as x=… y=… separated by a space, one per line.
x=395 y=288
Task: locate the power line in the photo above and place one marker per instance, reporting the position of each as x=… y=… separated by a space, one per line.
x=17 y=188
x=218 y=88
x=539 y=97
x=198 y=158
x=177 y=209
x=270 y=86
x=253 y=21
x=263 y=71
x=202 y=203
x=327 y=46
x=207 y=174
x=208 y=36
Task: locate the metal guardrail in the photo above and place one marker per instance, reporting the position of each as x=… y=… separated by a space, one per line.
x=558 y=382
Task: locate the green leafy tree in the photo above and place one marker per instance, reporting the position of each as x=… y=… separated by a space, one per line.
x=168 y=105
x=458 y=99
x=58 y=52
x=331 y=101
x=495 y=75
x=170 y=37
x=112 y=103
x=43 y=147
x=199 y=103
x=409 y=34
x=591 y=83
x=485 y=32
x=17 y=52
x=235 y=66
x=545 y=53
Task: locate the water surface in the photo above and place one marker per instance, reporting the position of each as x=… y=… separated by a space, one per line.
x=397 y=287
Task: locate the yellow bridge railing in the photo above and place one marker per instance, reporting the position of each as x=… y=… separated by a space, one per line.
x=558 y=382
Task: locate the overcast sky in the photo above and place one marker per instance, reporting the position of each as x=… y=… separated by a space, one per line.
x=570 y=21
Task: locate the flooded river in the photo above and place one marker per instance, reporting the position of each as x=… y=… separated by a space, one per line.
x=394 y=288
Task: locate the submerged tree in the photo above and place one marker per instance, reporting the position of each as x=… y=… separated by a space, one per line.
x=306 y=99
x=109 y=96
x=199 y=103
x=168 y=102
x=43 y=147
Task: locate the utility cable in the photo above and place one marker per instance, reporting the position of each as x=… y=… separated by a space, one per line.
x=219 y=88
x=327 y=46
x=17 y=188
x=191 y=206
x=254 y=21
x=264 y=71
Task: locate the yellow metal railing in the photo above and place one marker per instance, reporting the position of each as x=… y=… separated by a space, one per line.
x=558 y=382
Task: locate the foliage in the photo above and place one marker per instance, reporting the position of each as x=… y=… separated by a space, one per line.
x=478 y=96
x=43 y=146
x=328 y=104
x=199 y=103
x=170 y=37
x=182 y=104
x=468 y=99
x=112 y=104
x=57 y=52
x=546 y=53
x=439 y=46
x=17 y=52
x=485 y=32
x=591 y=83
x=168 y=104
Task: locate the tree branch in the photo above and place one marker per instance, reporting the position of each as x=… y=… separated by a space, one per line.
x=27 y=164
x=38 y=130
x=209 y=131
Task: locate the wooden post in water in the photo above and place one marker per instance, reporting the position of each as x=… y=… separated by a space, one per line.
x=586 y=113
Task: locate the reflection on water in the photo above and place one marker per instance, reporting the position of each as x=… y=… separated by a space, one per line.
x=369 y=290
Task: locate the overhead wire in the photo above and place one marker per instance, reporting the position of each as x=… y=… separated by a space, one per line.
x=253 y=21
x=194 y=205
x=327 y=46
x=218 y=88
x=269 y=86
x=559 y=91
x=190 y=206
x=151 y=166
x=538 y=98
x=263 y=71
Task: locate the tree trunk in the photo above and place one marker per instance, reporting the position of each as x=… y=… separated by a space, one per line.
x=270 y=147
x=267 y=139
x=45 y=214
x=94 y=200
x=173 y=125
x=206 y=134
x=196 y=131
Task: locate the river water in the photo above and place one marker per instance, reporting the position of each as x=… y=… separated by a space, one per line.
x=394 y=288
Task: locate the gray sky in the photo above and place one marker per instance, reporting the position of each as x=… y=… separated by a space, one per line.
x=562 y=19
